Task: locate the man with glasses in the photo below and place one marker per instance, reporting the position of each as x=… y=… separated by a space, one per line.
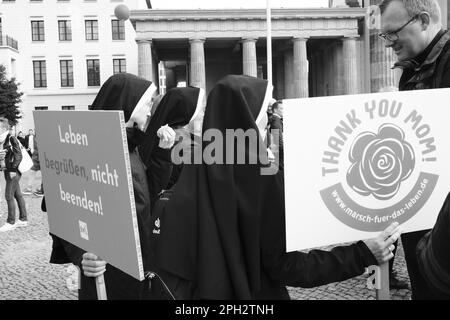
x=414 y=31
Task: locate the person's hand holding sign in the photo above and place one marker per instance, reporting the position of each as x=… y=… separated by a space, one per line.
x=92 y=265
x=382 y=246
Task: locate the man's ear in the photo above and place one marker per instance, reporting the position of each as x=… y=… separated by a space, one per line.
x=425 y=20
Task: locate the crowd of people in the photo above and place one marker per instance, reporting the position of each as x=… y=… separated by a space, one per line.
x=223 y=224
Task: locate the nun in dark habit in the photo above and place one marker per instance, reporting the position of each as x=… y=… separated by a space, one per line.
x=133 y=95
x=221 y=235
x=178 y=108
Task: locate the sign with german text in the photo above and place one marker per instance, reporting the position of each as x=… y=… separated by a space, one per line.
x=355 y=164
x=88 y=185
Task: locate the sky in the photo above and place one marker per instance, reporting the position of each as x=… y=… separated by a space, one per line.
x=210 y=4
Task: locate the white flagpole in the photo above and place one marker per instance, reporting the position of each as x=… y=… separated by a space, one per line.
x=269 y=43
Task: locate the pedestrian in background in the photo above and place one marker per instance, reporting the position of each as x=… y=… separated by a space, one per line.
x=276 y=132
x=10 y=157
x=21 y=138
x=39 y=192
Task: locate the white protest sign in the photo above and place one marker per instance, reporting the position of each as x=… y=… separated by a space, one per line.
x=355 y=164
x=88 y=185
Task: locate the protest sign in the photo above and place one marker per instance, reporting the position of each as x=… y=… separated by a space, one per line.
x=88 y=185
x=355 y=164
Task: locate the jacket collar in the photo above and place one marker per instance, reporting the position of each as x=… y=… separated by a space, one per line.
x=435 y=48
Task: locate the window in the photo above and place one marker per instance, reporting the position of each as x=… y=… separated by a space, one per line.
x=120 y=65
x=91 y=29
x=93 y=72
x=65 y=30
x=68 y=108
x=40 y=74
x=118 y=29
x=66 y=68
x=37 y=30
x=41 y=108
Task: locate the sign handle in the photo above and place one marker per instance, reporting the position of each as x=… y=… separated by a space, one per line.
x=379 y=280
x=101 y=288
x=382 y=292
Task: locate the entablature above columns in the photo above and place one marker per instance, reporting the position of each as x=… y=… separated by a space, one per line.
x=248 y=14
x=246 y=23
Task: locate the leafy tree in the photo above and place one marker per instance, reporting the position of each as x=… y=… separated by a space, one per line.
x=10 y=97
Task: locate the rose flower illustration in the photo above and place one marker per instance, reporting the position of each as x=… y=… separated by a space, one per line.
x=380 y=162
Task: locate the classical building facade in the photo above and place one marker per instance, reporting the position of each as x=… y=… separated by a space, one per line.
x=316 y=52
x=63 y=50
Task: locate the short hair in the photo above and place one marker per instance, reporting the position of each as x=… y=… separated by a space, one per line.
x=276 y=105
x=414 y=7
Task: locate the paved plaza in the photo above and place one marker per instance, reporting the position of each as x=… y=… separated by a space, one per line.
x=25 y=273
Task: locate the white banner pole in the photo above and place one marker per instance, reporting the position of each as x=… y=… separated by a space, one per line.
x=269 y=43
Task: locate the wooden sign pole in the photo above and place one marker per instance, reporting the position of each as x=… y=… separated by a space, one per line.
x=379 y=280
x=101 y=288
x=382 y=292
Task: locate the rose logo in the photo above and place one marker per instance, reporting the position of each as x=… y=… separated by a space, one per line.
x=380 y=162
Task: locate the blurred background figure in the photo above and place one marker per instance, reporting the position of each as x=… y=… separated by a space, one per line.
x=21 y=138
x=276 y=123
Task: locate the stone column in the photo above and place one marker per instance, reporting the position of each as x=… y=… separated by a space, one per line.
x=288 y=74
x=145 y=59
x=249 y=65
x=350 y=66
x=300 y=68
x=197 y=70
x=381 y=61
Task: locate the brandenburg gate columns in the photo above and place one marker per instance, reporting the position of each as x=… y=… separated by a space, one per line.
x=300 y=68
x=249 y=65
x=197 y=69
x=145 y=59
x=350 y=65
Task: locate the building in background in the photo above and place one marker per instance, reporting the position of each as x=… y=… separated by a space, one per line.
x=61 y=51
x=315 y=52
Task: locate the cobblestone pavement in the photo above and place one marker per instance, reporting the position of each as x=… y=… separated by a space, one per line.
x=26 y=274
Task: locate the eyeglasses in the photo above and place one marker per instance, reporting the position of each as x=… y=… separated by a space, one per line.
x=393 y=35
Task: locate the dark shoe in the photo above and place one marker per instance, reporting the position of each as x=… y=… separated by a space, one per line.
x=395 y=283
